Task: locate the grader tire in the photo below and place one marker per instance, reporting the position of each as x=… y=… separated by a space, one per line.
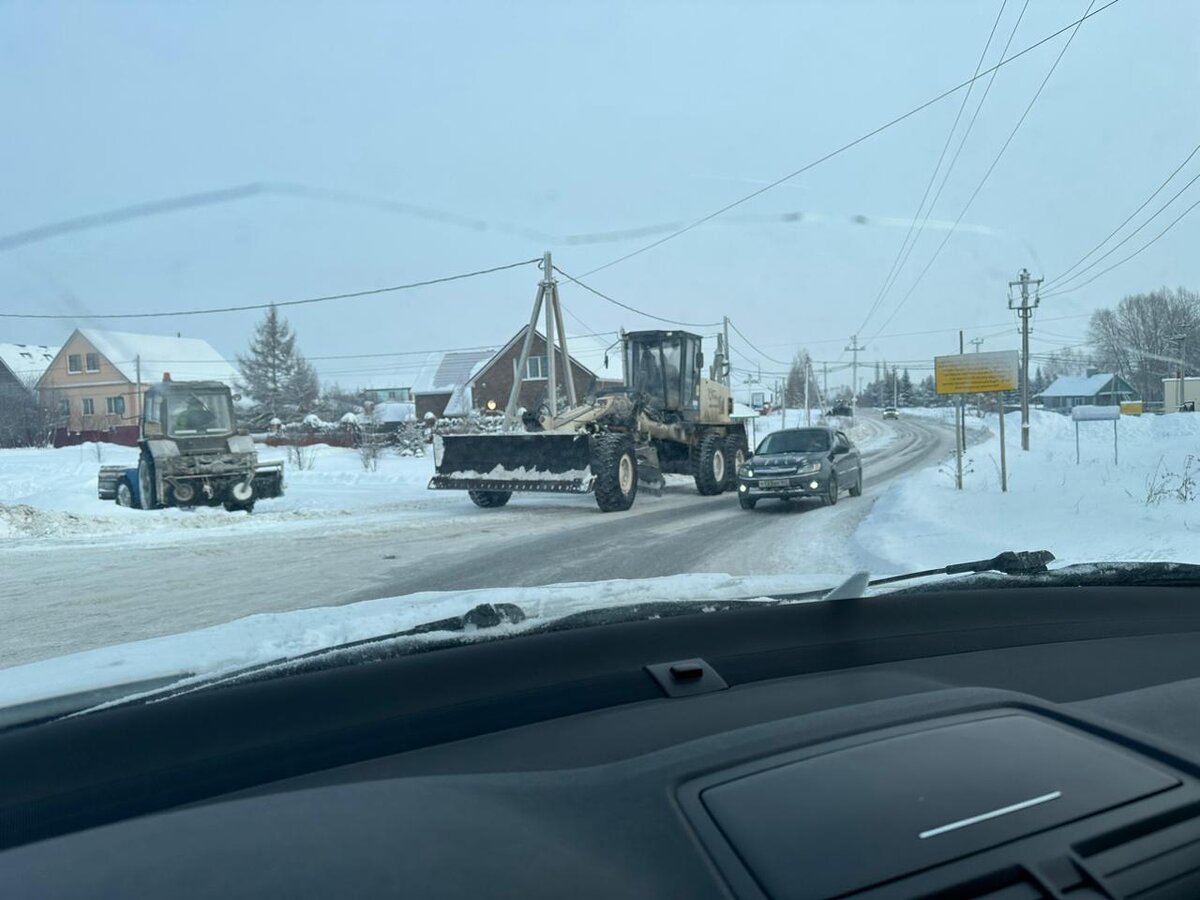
x=145 y=476
x=614 y=463
x=711 y=465
x=489 y=499
x=736 y=449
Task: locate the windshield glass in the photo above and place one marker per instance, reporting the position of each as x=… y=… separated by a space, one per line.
x=504 y=298
x=801 y=441
x=198 y=413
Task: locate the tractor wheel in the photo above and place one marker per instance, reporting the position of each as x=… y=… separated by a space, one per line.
x=735 y=456
x=146 y=499
x=615 y=464
x=489 y=499
x=124 y=493
x=711 y=468
x=831 y=495
x=856 y=490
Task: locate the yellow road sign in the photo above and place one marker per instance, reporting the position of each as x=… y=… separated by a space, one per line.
x=976 y=373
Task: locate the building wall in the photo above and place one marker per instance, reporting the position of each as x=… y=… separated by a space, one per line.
x=431 y=403
x=59 y=384
x=495 y=382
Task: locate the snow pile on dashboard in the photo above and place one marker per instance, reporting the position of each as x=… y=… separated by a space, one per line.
x=1146 y=507
x=266 y=638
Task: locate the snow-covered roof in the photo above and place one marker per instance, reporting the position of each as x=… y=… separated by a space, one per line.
x=27 y=361
x=441 y=373
x=1077 y=385
x=187 y=359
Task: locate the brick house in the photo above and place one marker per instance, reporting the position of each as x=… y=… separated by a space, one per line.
x=457 y=382
x=97 y=380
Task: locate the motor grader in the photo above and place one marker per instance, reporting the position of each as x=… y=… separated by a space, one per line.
x=666 y=418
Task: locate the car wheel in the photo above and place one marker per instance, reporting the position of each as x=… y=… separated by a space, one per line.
x=856 y=489
x=124 y=493
x=747 y=502
x=832 y=490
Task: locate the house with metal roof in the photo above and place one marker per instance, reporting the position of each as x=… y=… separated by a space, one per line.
x=1093 y=389
x=97 y=380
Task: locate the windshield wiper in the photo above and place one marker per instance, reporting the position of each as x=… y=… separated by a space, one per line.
x=1010 y=562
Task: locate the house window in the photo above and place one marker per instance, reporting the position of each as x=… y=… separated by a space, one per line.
x=89 y=406
x=64 y=407
x=535 y=367
x=116 y=406
x=74 y=364
x=93 y=362
x=391 y=395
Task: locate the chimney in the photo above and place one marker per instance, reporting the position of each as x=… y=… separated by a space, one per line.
x=1092 y=371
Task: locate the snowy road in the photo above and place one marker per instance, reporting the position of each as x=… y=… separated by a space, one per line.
x=80 y=594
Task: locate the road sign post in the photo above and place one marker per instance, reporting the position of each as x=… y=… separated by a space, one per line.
x=977 y=373
x=1096 y=414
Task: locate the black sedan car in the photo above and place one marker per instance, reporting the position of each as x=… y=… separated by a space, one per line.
x=799 y=463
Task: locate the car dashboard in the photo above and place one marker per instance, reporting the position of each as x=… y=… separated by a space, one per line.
x=1001 y=743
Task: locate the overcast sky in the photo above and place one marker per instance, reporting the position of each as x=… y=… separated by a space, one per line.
x=579 y=118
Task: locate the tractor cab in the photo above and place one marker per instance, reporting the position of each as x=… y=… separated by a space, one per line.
x=665 y=367
x=189 y=409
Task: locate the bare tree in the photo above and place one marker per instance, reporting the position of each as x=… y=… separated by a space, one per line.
x=1139 y=338
x=23 y=420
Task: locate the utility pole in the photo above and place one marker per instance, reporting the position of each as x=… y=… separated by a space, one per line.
x=976 y=341
x=1178 y=341
x=895 y=388
x=825 y=382
x=855 y=349
x=728 y=367
x=1025 y=311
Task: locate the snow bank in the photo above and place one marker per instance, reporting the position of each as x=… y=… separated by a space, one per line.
x=1093 y=511
x=47 y=493
x=266 y=638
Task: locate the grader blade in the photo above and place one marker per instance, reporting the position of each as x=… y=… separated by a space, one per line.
x=544 y=462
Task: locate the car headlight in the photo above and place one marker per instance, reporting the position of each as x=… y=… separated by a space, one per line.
x=748 y=472
x=810 y=469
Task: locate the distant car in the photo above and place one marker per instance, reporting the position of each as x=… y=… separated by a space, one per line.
x=799 y=463
x=890 y=412
x=841 y=410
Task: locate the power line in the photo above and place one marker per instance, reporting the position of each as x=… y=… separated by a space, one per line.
x=847 y=146
x=1129 y=218
x=752 y=346
x=1012 y=134
x=634 y=309
x=894 y=270
x=1126 y=259
x=957 y=153
x=279 y=303
x=1113 y=249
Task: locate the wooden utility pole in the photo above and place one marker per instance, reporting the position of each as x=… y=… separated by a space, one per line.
x=855 y=349
x=1025 y=311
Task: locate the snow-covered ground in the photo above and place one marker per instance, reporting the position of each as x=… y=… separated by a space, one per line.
x=47 y=493
x=1142 y=508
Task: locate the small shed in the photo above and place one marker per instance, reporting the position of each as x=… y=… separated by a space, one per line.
x=1092 y=389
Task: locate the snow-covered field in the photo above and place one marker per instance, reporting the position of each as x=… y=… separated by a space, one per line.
x=1142 y=508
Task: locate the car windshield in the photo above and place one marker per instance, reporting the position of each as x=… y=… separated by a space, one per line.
x=198 y=413
x=809 y=440
x=327 y=321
